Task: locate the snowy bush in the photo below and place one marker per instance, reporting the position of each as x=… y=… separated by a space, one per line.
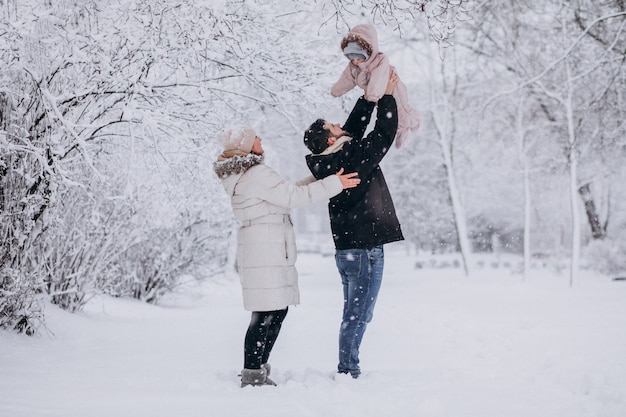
x=21 y=307
x=154 y=262
x=85 y=237
x=495 y=236
x=26 y=190
x=607 y=256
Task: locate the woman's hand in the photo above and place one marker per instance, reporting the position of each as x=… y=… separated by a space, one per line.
x=348 y=180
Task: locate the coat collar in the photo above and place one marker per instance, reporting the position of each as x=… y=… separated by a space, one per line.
x=336 y=147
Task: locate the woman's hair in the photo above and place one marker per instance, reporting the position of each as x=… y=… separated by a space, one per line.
x=316 y=137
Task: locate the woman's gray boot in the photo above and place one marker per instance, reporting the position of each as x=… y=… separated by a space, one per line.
x=255 y=377
x=268 y=370
x=267 y=367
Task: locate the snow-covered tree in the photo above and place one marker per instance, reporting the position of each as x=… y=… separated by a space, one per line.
x=108 y=113
x=567 y=76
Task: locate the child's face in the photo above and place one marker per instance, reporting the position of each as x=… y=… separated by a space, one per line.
x=357 y=61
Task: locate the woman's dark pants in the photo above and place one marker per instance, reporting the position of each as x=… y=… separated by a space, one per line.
x=261 y=336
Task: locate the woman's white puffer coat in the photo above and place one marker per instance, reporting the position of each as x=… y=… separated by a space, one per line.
x=266 y=247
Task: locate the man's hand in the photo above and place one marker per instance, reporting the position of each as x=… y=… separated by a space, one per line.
x=393 y=81
x=348 y=180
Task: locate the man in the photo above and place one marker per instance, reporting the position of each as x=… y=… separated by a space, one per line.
x=363 y=218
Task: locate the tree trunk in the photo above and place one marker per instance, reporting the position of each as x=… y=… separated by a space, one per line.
x=597 y=230
x=573 y=176
x=459 y=212
x=445 y=126
x=527 y=211
x=523 y=146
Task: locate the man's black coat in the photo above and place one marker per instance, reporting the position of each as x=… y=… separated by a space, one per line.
x=364 y=216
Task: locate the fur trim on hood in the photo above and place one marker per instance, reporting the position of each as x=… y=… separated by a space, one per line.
x=365 y=35
x=235 y=162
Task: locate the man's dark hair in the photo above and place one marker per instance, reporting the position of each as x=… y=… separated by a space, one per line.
x=316 y=137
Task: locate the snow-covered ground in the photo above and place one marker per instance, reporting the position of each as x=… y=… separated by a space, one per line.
x=441 y=344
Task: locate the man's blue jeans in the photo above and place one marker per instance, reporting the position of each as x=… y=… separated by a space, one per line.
x=361 y=273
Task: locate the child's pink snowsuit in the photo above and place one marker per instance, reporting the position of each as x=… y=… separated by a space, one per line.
x=372 y=76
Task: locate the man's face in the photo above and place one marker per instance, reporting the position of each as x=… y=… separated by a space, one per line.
x=334 y=129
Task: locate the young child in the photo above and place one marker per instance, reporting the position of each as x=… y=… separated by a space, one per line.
x=369 y=69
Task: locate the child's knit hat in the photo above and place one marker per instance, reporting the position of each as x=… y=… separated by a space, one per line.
x=354 y=50
x=241 y=138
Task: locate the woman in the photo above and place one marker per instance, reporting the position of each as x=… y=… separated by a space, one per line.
x=266 y=249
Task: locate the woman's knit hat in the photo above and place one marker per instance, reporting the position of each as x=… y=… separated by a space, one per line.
x=354 y=50
x=240 y=138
